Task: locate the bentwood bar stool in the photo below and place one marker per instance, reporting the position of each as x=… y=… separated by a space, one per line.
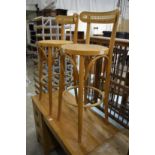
x=47 y=49
x=88 y=55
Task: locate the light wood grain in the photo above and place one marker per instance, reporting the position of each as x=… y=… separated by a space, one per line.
x=110 y=17
x=81 y=98
x=95 y=131
x=116 y=145
x=62 y=20
x=88 y=32
x=62 y=32
x=108 y=67
x=53 y=43
x=40 y=66
x=99 y=17
x=85 y=49
x=75 y=76
x=61 y=84
x=50 y=79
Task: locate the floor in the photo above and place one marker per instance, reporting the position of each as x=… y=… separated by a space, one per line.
x=32 y=146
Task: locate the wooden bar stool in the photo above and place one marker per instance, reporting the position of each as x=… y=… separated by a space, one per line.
x=50 y=47
x=88 y=55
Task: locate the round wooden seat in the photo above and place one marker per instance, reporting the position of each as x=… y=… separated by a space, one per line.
x=53 y=43
x=85 y=49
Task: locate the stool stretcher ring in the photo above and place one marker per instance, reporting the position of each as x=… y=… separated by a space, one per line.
x=87 y=105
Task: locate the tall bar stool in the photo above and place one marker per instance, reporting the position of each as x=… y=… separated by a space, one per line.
x=50 y=47
x=88 y=55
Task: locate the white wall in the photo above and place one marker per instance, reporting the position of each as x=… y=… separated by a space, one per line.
x=86 y=5
x=97 y=5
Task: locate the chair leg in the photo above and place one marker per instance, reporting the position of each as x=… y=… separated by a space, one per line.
x=40 y=64
x=98 y=69
x=81 y=98
x=107 y=89
x=86 y=83
x=61 y=84
x=50 y=79
x=75 y=80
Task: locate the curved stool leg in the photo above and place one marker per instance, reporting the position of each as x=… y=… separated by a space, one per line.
x=80 y=98
x=107 y=89
x=75 y=80
x=50 y=79
x=61 y=84
x=86 y=82
x=40 y=64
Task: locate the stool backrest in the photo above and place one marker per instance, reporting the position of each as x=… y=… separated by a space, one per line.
x=63 y=20
x=110 y=17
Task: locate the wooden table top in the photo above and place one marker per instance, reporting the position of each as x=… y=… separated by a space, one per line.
x=53 y=43
x=85 y=49
x=102 y=39
x=96 y=132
